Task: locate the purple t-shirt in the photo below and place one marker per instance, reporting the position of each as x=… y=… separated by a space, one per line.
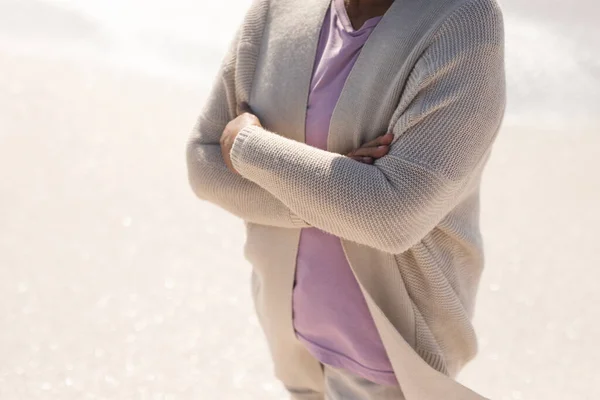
x=331 y=316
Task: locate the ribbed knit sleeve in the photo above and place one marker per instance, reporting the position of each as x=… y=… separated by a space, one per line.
x=208 y=175
x=442 y=141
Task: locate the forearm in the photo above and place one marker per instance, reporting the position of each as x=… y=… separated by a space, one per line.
x=212 y=181
x=351 y=200
x=440 y=148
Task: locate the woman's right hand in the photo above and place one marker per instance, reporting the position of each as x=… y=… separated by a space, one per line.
x=373 y=150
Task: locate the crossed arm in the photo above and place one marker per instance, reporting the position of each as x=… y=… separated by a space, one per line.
x=212 y=178
x=436 y=153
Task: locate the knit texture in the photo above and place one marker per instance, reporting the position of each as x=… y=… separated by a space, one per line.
x=433 y=74
x=232 y=192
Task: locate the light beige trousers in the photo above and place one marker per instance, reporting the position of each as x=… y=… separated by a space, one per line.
x=342 y=385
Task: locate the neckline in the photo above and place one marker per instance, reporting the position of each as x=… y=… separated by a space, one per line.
x=342 y=13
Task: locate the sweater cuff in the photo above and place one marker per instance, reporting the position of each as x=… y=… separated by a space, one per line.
x=238 y=160
x=237 y=150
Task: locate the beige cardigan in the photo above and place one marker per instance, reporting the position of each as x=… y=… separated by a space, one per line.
x=432 y=73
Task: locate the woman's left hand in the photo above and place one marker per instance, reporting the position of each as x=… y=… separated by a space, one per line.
x=244 y=120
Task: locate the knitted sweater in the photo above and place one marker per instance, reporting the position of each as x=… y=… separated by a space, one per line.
x=432 y=73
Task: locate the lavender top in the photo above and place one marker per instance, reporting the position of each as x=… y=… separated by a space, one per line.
x=331 y=316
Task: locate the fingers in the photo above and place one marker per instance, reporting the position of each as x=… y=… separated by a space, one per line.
x=246 y=114
x=244 y=107
x=373 y=152
x=364 y=160
x=384 y=140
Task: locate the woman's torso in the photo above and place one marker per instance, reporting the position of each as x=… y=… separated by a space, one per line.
x=277 y=87
x=331 y=316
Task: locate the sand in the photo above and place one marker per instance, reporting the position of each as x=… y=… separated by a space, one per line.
x=116 y=283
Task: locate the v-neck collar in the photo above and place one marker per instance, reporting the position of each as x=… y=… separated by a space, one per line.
x=345 y=130
x=391 y=33
x=345 y=118
x=313 y=17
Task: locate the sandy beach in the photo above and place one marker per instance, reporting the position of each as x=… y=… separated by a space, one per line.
x=107 y=293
